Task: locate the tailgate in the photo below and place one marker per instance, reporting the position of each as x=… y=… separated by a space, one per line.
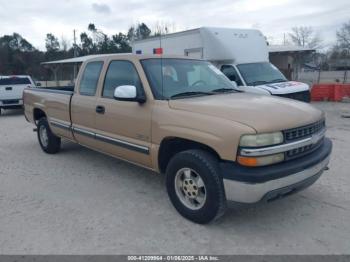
x=11 y=92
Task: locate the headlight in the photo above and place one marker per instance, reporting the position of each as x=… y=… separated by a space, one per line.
x=259 y=140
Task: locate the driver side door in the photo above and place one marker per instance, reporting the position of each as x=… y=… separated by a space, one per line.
x=123 y=128
x=231 y=73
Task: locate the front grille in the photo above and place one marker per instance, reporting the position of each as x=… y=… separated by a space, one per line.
x=299 y=133
x=304 y=131
x=301 y=151
x=300 y=96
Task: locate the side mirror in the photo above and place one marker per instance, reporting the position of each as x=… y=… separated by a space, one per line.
x=234 y=84
x=38 y=84
x=128 y=93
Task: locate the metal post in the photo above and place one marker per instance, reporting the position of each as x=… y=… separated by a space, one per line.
x=345 y=76
x=319 y=75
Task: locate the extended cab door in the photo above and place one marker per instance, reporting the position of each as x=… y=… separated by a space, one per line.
x=123 y=128
x=83 y=105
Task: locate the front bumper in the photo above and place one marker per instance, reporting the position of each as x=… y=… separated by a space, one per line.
x=291 y=177
x=9 y=103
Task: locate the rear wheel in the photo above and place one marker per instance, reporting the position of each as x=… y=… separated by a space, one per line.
x=195 y=186
x=49 y=142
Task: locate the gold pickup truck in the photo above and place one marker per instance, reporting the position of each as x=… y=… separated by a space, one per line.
x=183 y=117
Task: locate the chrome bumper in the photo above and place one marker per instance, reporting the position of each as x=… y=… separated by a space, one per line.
x=249 y=193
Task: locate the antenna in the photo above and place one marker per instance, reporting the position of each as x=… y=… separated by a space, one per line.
x=75 y=54
x=161 y=62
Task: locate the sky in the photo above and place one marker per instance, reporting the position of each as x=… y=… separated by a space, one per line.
x=35 y=18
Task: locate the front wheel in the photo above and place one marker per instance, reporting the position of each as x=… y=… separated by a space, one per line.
x=50 y=143
x=195 y=186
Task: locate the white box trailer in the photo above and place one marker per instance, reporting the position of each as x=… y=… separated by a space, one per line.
x=241 y=54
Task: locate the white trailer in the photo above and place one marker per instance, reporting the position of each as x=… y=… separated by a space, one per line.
x=241 y=54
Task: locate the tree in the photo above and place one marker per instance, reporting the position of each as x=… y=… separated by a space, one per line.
x=162 y=28
x=141 y=31
x=343 y=36
x=306 y=37
x=16 y=42
x=122 y=43
x=51 y=43
x=87 y=44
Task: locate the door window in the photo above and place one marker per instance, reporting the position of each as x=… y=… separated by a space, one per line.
x=120 y=73
x=231 y=73
x=89 y=80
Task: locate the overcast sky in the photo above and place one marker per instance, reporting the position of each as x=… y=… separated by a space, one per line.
x=33 y=19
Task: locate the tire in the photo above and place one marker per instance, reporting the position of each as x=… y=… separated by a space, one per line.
x=210 y=201
x=49 y=143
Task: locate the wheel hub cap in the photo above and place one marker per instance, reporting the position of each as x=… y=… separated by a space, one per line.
x=190 y=188
x=43 y=136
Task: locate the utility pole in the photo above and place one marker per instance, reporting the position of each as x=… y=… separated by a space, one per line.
x=75 y=55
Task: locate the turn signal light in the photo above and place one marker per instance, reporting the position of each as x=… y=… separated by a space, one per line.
x=260 y=161
x=247 y=161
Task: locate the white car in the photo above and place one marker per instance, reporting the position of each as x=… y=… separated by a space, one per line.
x=11 y=90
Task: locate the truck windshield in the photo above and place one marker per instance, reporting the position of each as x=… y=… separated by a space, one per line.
x=260 y=73
x=15 y=81
x=178 y=78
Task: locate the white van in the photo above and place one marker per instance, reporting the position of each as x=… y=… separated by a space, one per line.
x=241 y=54
x=11 y=90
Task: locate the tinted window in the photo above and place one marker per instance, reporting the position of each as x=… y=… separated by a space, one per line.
x=15 y=81
x=120 y=73
x=88 y=84
x=231 y=74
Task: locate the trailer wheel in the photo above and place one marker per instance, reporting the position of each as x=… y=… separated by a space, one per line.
x=49 y=142
x=195 y=186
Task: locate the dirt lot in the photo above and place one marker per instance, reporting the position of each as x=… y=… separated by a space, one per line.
x=82 y=202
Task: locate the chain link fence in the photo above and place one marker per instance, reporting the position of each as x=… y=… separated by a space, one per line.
x=316 y=77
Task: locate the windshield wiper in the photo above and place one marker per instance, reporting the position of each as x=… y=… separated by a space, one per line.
x=260 y=82
x=278 y=80
x=224 y=90
x=191 y=93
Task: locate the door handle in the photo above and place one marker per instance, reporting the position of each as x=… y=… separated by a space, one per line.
x=100 y=109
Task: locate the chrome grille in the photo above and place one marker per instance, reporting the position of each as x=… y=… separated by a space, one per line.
x=301 y=151
x=305 y=131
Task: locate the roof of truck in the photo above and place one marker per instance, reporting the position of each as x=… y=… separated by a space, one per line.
x=74 y=60
x=124 y=55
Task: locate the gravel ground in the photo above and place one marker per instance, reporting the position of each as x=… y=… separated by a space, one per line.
x=82 y=202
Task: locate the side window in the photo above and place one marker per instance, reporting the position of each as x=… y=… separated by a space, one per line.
x=230 y=72
x=89 y=80
x=120 y=73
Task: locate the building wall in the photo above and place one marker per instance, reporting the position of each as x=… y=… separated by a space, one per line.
x=281 y=61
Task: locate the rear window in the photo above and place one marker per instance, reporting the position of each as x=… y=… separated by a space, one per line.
x=15 y=81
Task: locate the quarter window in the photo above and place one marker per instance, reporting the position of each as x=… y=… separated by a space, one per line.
x=120 y=73
x=89 y=80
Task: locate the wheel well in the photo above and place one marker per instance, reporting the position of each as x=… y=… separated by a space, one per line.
x=38 y=114
x=171 y=146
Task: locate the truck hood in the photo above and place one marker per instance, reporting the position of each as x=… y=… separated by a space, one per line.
x=263 y=113
x=285 y=87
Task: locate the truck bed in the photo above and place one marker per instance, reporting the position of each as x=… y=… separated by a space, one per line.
x=53 y=102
